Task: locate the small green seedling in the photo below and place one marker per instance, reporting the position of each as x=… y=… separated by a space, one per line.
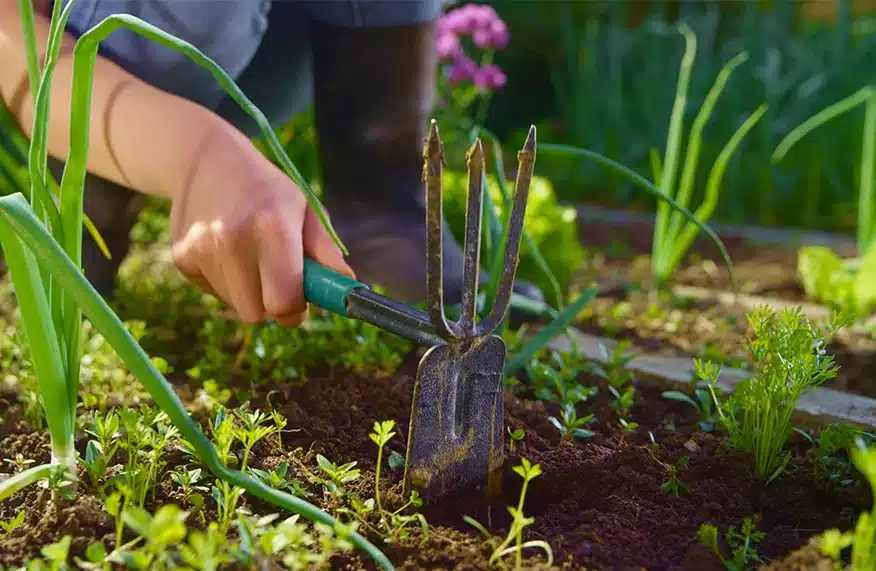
x=862 y=540
x=829 y=451
x=672 y=485
x=514 y=436
x=528 y=472
x=276 y=478
x=570 y=425
x=7 y=527
x=381 y=436
x=701 y=402
x=790 y=360
x=338 y=475
x=741 y=544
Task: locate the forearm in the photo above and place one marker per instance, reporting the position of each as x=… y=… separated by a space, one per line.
x=140 y=136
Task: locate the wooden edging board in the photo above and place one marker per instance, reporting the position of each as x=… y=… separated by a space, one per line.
x=820 y=406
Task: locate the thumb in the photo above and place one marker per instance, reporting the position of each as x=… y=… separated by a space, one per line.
x=319 y=246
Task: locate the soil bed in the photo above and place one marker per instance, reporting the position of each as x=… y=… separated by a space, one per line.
x=706 y=326
x=598 y=503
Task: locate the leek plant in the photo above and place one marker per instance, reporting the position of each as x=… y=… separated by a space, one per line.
x=42 y=243
x=847 y=285
x=672 y=241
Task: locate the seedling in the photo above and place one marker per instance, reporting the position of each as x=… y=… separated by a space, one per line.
x=528 y=472
x=863 y=539
x=381 y=436
x=514 y=436
x=569 y=424
x=701 y=402
x=7 y=527
x=673 y=485
x=741 y=544
x=789 y=360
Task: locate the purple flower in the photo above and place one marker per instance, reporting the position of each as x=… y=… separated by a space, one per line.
x=483 y=16
x=460 y=21
x=495 y=37
x=490 y=77
x=448 y=46
x=462 y=69
x=500 y=35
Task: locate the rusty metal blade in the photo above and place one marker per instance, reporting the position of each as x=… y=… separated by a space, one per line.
x=455 y=439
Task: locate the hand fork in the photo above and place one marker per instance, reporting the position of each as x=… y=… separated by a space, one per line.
x=456 y=437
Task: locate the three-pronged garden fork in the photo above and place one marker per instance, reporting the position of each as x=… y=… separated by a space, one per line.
x=456 y=434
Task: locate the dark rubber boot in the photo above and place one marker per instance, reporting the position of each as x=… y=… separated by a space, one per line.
x=373 y=92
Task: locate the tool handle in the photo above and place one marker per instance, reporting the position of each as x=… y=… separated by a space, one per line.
x=327 y=288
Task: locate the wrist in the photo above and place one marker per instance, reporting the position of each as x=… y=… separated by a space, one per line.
x=214 y=155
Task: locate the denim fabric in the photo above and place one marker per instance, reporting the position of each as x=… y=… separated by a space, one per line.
x=262 y=44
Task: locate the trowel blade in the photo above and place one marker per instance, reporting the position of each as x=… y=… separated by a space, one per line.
x=457 y=419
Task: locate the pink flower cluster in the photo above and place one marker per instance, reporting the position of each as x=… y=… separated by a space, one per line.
x=487 y=31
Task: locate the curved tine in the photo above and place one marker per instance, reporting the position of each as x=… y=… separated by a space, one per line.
x=526 y=165
x=474 y=213
x=433 y=156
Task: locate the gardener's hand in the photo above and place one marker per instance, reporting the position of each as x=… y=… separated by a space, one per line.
x=241 y=228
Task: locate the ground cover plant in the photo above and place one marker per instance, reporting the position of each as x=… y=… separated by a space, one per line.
x=203 y=456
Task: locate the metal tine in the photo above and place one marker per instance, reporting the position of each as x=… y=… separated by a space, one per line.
x=474 y=213
x=433 y=156
x=526 y=165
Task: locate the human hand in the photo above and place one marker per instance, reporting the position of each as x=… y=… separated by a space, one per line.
x=241 y=230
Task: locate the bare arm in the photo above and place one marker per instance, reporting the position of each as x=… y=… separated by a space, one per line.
x=141 y=137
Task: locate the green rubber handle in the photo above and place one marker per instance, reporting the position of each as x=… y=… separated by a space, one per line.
x=327 y=288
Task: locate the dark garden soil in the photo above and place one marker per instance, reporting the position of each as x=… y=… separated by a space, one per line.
x=598 y=503
x=703 y=325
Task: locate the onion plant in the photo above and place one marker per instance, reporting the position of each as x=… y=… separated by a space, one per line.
x=671 y=242
x=42 y=243
x=844 y=284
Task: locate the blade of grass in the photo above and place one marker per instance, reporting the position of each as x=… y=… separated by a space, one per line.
x=644 y=184
x=17 y=168
x=17 y=220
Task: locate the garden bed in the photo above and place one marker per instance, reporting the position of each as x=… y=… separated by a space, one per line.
x=599 y=502
x=702 y=318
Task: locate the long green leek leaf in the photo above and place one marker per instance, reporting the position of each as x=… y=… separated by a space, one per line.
x=17 y=218
x=713 y=188
x=692 y=153
x=46 y=353
x=648 y=187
